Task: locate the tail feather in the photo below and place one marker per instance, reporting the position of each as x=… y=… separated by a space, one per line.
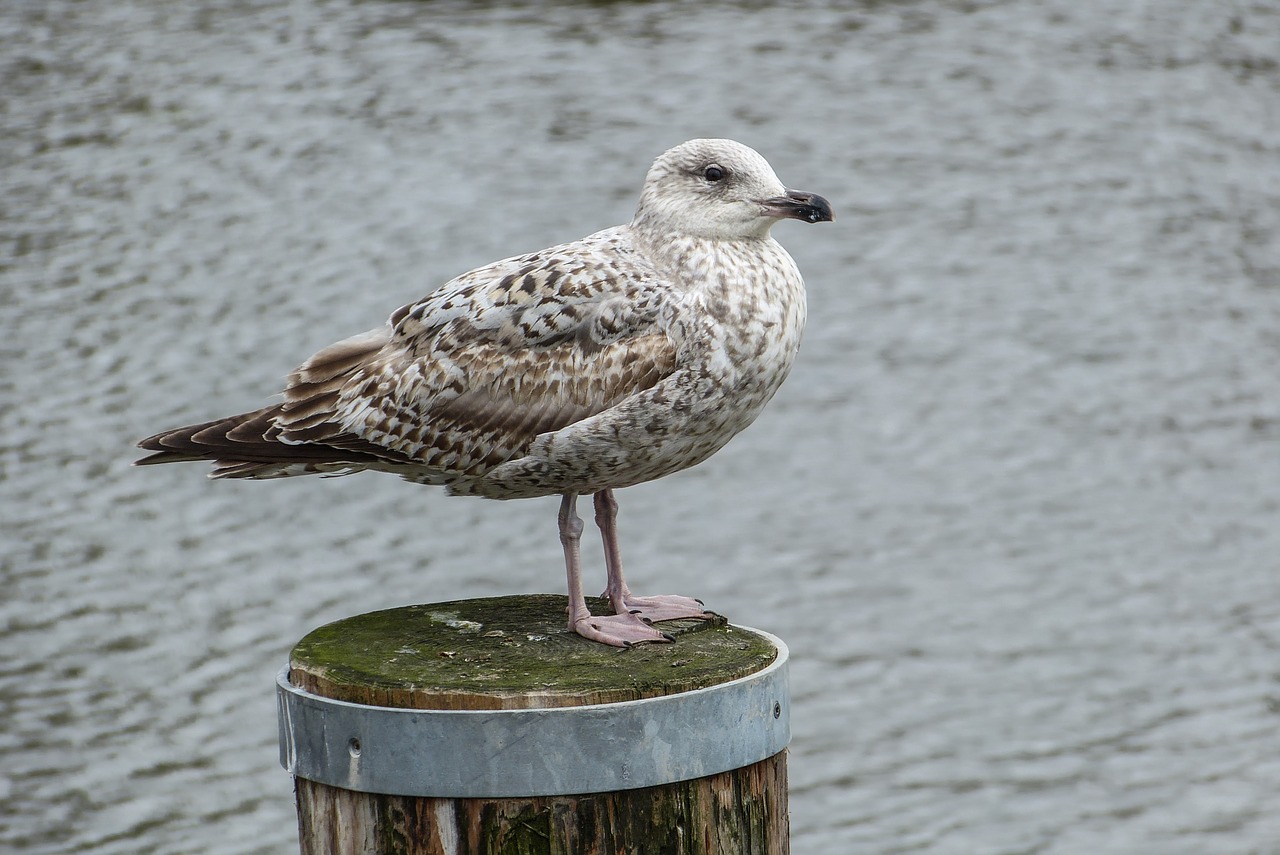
x=302 y=436
x=248 y=446
x=195 y=442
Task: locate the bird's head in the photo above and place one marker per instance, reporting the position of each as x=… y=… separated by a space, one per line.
x=720 y=190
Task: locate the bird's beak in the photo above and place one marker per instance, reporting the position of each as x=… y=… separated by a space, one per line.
x=798 y=205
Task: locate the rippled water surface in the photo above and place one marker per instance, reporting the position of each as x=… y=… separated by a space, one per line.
x=1017 y=511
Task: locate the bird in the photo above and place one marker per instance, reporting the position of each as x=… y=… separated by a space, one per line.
x=584 y=368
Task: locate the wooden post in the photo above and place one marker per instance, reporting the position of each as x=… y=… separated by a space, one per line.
x=576 y=711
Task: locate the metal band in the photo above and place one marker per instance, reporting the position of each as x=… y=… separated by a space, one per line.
x=539 y=752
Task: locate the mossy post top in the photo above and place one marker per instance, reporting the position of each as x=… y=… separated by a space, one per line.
x=494 y=698
x=510 y=653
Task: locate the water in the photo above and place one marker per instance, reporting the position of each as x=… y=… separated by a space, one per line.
x=1016 y=511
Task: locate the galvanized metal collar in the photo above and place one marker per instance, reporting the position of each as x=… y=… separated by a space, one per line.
x=540 y=752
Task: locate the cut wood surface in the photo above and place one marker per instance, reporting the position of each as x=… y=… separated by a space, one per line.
x=510 y=653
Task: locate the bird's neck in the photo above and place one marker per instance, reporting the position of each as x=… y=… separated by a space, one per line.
x=698 y=264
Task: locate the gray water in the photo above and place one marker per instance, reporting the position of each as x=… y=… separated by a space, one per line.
x=1016 y=512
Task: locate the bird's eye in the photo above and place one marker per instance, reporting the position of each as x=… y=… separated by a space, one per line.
x=713 y=173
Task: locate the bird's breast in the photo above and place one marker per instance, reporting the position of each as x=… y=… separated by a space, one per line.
x=745 y=324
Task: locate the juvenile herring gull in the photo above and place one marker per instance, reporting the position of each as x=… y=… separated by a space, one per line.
x=619 y=358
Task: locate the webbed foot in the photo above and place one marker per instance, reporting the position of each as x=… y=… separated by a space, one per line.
x=663 y=607
x=624 y=630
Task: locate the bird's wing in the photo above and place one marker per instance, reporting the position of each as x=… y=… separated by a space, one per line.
x=466 y=378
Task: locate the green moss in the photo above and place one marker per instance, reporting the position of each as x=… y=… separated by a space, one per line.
x=519 y=645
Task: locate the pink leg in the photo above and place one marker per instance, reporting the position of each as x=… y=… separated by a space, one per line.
x=620 y=630
x=651 y=609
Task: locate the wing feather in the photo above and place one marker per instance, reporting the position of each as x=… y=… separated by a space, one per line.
x=468 y=377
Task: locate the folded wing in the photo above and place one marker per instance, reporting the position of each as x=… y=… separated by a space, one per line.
x=460 y=381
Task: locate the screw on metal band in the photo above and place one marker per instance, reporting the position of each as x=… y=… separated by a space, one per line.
x=530 y=752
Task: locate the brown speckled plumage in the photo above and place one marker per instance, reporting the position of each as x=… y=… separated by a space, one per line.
x=616 y=359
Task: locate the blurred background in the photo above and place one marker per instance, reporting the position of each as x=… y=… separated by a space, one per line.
x=1016 y=512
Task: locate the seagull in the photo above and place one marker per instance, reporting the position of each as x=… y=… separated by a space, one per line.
x=590 y=366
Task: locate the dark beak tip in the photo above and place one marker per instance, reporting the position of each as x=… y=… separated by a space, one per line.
x=799 y=205
x=820 y=210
